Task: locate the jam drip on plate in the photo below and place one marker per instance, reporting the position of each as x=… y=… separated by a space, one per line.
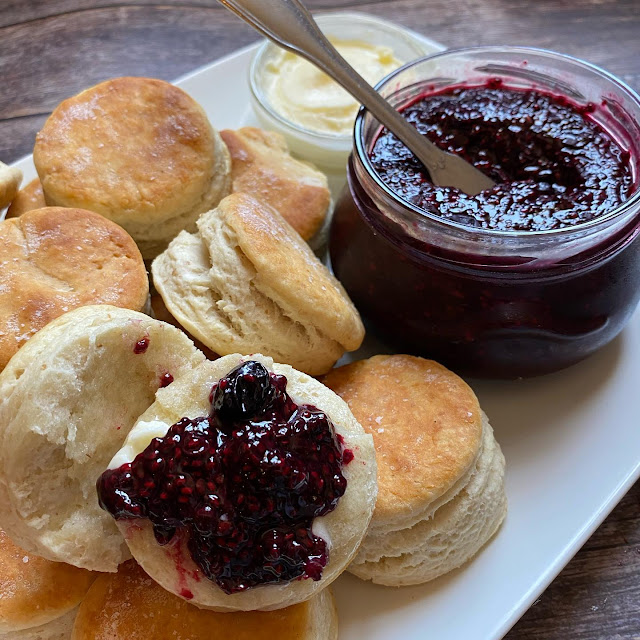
x=244 y=483
x=553 y=164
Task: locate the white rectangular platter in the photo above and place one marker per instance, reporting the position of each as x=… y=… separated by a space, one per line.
x=571 y=441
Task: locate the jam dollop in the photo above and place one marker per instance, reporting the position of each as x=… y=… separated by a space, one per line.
x=244 y=483
x=553 y=164
x=165 y=380
x=141 y=346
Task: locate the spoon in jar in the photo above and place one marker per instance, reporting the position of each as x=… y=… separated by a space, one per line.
x=289 y=24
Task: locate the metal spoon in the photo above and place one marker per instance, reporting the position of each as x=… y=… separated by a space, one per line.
x=289 y=24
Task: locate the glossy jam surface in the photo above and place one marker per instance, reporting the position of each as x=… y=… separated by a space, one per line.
x=553 y=165
x=141 y=346
x=488 y=320
x=245 y=483
x=165 y=380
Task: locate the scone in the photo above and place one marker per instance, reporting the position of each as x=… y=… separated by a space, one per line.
x=440 y=470
x=37 y=596
x=262 y=167
x=28 y=198
x=246 y=486
x=68 y=399
x=246 y=282
x=139 y=151
x=130 y=606
x=56 y=259
x=10 y=179
x=59 y=629
x=160 y=312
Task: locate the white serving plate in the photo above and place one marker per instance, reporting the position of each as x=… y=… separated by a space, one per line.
x=571 y=441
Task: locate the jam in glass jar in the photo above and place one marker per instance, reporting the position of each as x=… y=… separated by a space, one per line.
x=521 y=290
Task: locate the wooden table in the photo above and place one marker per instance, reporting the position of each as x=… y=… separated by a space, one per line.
x=51 y=49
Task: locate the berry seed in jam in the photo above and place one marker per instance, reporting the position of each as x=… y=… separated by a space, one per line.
x=165 y=380
x=244 y=483
x=141 y=346
x=553 y=164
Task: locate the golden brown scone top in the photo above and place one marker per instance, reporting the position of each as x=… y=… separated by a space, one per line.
x=53 y=260
x=425 y=421
x=28 y=198
x=34 y=590
x=136 y=150
x=289 y=271
x=130 y=605
x=262 y=167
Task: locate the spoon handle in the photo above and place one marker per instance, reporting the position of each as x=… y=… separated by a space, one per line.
x=289 y=24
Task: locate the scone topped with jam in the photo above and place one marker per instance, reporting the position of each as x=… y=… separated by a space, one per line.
x=247 y=485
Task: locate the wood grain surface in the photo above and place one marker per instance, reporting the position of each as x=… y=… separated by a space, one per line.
x=51 y=49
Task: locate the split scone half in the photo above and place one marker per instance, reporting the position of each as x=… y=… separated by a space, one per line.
x=440 y=470
x=246 y=486
x=246 y=282
x=68 y=399
x=130 y=604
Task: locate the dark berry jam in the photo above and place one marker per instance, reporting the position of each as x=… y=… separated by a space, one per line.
x=478 y=314
x=553 y=164
x=243 y=483
x=453 y=285
x=165 y=380
x=141 y=346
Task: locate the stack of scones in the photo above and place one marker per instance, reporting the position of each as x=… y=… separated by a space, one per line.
x=133 y=178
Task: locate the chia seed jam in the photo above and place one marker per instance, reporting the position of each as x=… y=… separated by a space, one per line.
x=525 y=278
x=553 y=164
x=243 y=484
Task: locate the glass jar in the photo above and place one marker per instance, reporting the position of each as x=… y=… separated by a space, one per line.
x=486 y=302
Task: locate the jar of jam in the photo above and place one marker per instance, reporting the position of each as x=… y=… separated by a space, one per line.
x=521 y=280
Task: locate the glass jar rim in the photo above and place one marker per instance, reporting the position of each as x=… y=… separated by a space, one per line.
x=618 y=212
